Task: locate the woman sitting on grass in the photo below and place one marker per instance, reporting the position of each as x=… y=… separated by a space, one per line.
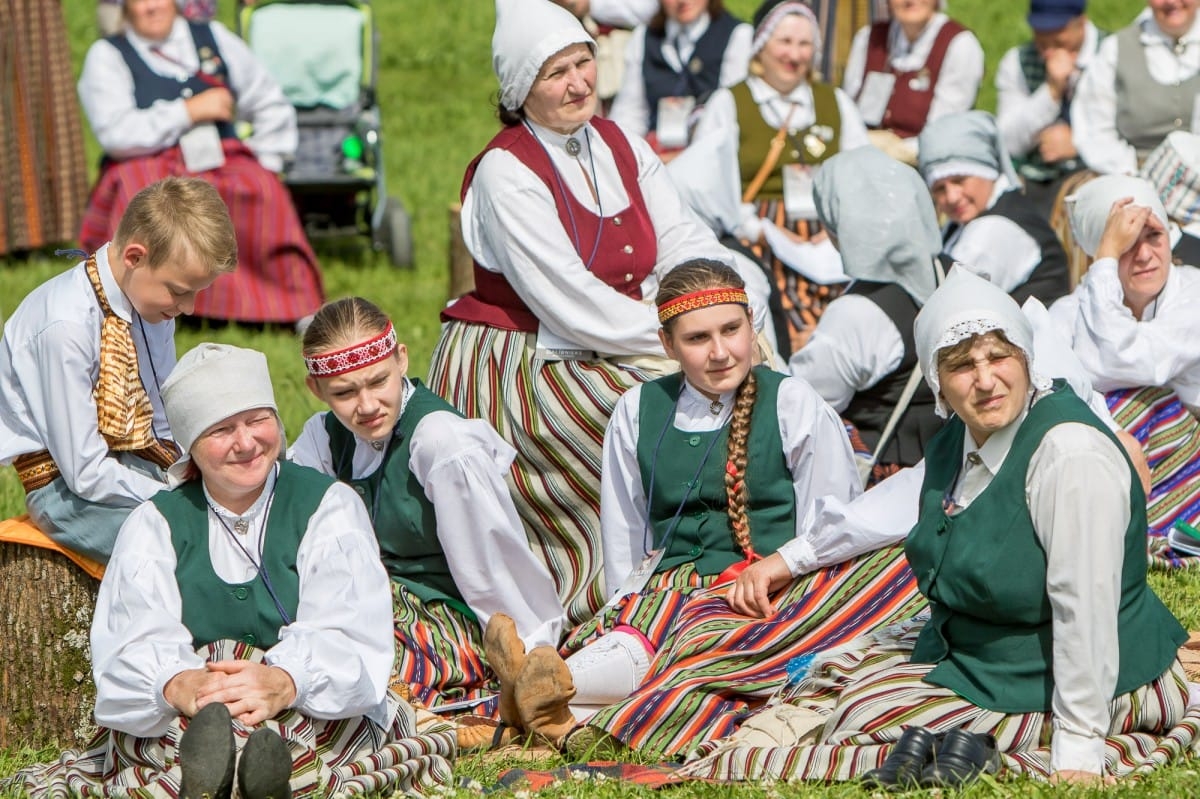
x=705 y=473
x=1045 y=649
x=433 y=483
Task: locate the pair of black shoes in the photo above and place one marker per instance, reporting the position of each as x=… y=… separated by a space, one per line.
x=207 y=756
x=924 y=759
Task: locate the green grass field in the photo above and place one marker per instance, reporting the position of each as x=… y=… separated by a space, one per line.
x=436 y=92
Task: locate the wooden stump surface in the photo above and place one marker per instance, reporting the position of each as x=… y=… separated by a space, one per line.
x=46 y=689
x=462 y=265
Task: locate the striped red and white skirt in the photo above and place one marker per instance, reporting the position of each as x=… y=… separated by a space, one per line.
x=277 y=278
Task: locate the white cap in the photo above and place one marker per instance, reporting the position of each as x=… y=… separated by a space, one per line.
x=527 y=33
x=211 y=383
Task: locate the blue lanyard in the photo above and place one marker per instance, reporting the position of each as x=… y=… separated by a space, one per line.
x=674 y=523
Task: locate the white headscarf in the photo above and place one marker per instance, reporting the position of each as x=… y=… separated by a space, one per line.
x=883 y=219
x=772 y=13
x=966 y=305
x=1089 y=207
x=963 y=145
x=527 y=33
x=211 y=383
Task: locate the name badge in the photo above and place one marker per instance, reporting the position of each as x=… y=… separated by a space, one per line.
x=201 y=148
x=637 y=578
x=798 y=202
x=874 y=98
x=674 y=117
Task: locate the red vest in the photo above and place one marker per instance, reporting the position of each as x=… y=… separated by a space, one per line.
x=908 y=106
x=627 y=250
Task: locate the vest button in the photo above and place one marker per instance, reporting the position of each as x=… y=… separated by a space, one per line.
x=185 y=92
x=796 y=154
x=360 y=490
x=249 y=638
x=694 y=441
x=695 y=551
x=617 y=221
x=627 y=249
x=629 y=277
x=240 y=592
x=1178 y=123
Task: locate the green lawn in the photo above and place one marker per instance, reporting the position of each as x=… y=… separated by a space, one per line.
x=436 y=91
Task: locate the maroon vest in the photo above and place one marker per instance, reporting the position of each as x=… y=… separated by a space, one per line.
x=908 y=107
x=628 y=247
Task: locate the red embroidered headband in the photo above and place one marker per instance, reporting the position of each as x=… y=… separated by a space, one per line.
x=373 y=350
x=700 y=299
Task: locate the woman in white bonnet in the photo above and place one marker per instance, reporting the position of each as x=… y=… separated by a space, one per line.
x=245 y=616
x=1132 y=322
x=571 y=225
x=1045 y=652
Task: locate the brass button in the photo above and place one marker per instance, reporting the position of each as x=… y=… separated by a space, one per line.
x=617 y=221
x=628 y=249
x=628 y=277
x=1178 y=122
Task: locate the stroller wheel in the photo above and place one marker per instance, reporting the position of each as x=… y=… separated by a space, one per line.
x=395 y=234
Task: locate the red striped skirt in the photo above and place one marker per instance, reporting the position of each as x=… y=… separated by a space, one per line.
x=713 y=666
x=277 y=278
x=870 y=692
x=1170 y=437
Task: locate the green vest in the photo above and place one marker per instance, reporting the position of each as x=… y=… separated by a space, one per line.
x=754 y=137
x=214 y=610
x=702 y=534
x=404 y=518
x=984 y=573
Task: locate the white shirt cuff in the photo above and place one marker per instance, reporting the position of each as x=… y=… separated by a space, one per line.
x=297 y=668
x=799 y=556
x=1072 y=751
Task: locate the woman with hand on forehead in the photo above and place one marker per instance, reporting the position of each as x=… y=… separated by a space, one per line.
x=705 y=473
x=434 y=486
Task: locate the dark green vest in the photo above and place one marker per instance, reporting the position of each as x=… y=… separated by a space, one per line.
x=404 y=518
x=702 y=534
x=984 y=573
x=214 y=610
x=754 y=137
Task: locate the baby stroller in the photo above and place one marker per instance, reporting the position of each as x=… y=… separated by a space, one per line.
x=323 y=53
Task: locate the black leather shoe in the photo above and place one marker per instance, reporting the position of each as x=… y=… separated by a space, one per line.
x=206 y=755
x=266 y=767
x=902 y=768
x=959 y=759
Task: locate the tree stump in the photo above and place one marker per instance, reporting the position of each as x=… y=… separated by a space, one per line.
x=46 y=689
x=462 y=265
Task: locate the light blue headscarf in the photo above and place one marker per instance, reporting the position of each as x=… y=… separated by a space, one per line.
x=965 y=144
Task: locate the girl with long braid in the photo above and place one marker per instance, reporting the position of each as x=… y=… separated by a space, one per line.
x=704 y=472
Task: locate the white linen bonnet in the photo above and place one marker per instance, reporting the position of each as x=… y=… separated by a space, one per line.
x=211 y=383
x=1089 y=207
x=966 y=305
x=527 y=33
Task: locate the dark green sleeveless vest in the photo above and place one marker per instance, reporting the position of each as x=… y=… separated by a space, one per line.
x=404 y=518
x=984 y=572
x=702 y=534
x=214 y=610
x=754 y=137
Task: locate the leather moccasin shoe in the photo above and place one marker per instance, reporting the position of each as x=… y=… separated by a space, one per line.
x=206 y=755
x=904 y=764
x=266 y=768
x=959 y=759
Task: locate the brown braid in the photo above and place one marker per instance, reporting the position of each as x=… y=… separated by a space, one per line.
x=735 y=468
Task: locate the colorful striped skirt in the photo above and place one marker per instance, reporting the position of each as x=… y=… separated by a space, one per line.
x=349 y=756
x=869 y=693
x=554 y=414
x=277 y=278
x=43 y=174
x=1170 y=437
x=439 y=654
x=713 y=666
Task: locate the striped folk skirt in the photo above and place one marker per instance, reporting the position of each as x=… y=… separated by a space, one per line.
x=277 y=279
x=554 y=414
x=1170 y=437
x=43 y=174
x=869 y=693
x=713 y=666
x=439 y=655
x=349 y=756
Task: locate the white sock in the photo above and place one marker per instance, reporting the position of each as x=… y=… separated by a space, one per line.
x=608 y=669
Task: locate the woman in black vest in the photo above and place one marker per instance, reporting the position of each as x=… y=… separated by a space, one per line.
x=1045 y=652
x=689 y=49
x=992 y=228
x=434 y=486
x=244 y=609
